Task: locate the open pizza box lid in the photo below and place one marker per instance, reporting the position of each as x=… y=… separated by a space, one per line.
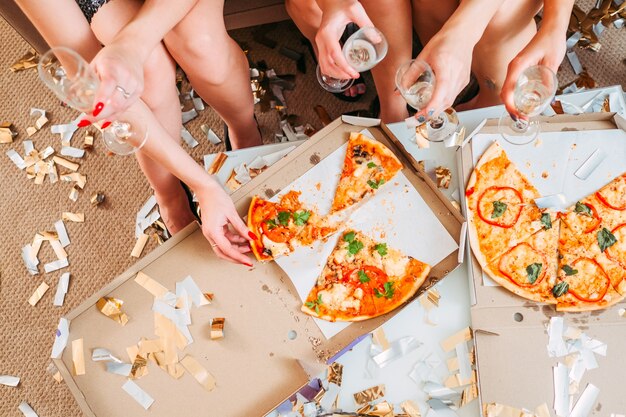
x=270 y=349
x=510 y=334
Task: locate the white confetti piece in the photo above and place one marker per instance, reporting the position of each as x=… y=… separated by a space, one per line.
x=138 y=394
x=9 y=381
x=59 y=226
x=62 y=287
x=60 y=339
x=56 y=265
x=27 y=410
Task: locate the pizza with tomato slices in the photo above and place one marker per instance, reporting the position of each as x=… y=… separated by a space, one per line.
x=575 y=259
x=281 y=227
x=363 y=278
x=368 y=165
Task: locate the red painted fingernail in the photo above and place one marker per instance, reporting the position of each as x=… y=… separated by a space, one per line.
x=248 y=265
x=98 y=109
x=84 y=123
x=252 y=236
x=105 y=125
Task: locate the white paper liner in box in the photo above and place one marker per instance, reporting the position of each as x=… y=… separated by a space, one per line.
x=397 y=200
x=560 y=155
x=138 y=394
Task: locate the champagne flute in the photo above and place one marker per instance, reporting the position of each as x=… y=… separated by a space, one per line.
x=73 y=81
x=416 y=82
x=534 y=90
x=363 y=50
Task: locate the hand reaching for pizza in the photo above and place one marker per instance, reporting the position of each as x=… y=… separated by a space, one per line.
x=221 y=225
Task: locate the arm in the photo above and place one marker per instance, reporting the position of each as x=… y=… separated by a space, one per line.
x=121 y=62
x=546 y=48
x=336 y=14
x=449 y=52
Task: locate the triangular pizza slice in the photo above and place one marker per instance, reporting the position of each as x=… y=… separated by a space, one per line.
x=368 y=165
x=363 y=278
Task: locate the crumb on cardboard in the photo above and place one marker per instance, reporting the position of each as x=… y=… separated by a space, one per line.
x=544 y=174
x=444 y=176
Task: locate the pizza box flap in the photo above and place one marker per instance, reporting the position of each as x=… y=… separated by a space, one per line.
x=510 y=332
x=257 y=364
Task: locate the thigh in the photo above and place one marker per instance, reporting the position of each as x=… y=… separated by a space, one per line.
x=430 y=15
x=307 y=16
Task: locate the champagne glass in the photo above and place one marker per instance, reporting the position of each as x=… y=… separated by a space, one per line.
x=363 y=50
x=73 y=81
x=534 y=91
x=416 y=82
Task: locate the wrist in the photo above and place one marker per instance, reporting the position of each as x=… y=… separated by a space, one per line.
x=134 y=44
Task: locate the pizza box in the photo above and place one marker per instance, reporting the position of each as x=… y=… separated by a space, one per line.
x=270 y=349
x=510 y=334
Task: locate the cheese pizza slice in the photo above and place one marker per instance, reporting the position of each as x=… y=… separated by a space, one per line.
x=368 y=165
x=363 y=278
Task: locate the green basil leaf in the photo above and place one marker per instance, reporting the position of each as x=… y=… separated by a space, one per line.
x=363 y=277
x=376 y=184
x=283 y=217
x=498 y=209
x=354 y=247
x=533 y=271
x=317 y=309
x=377 y=293
x=371 y=165
x=381 y=248
x=606 y=239
x=271 y=224
x=560 y=289
x=546 y=221
x=348 y=237
x=301 y=217
x=569 y=270
x=319 y=299
x=389 y=290
x=310 y=304
x=582 y=208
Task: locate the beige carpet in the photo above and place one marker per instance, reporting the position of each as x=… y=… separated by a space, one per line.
x=101 y=246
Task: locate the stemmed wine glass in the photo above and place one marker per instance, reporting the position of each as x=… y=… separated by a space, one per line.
x=363 y=50
x=69 y=76
x=416 y=82
x=534 y=91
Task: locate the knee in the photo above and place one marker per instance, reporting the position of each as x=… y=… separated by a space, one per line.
x=159 y=79
x=301 y=8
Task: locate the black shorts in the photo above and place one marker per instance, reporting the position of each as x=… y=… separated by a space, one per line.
x=90 y=7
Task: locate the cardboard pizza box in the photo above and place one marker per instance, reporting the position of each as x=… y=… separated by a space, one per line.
x=510 y=332
x=270 y=348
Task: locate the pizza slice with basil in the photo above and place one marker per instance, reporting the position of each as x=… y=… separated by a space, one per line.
x=529 y=269
x=363 y=278
x=281 y=227
x=368 y=165
x=501 y=208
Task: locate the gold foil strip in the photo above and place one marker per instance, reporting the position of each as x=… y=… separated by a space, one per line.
x=72 y=166
x=74 y=193
x=88 y=142
x=78 y=357
x=461 y=336
x=469 y=394
x=379 y=338
x=76 y=177
x=140 y=244
x=410 y=409
x=52 y=370
x=381 y=409
x=150 y=346
x=217 y=164
x=335 y=373
x=7 y=133
x=112 y=308
x=370 y=394
x=217 y=328
x=39 y=292
x=150 y=285
x=199 y=372
x=97 y=199
x=73 y=217
x=29 y=60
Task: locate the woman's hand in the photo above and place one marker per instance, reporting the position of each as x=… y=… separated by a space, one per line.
x=451 y=61
x=335 y=16
x=121 y=80
x=546 y=48
x=221 y=225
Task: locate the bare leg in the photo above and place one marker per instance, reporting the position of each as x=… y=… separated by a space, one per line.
x=430 y=15
x=217 y=68
x=160 y=95
x=393 y=18
x=507 y=34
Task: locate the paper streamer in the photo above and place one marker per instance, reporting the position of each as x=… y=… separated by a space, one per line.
x=201 y=375
x=62 y=287
x=138 y=394
x=193 y=291
x=27 y=410
x=103 y=355
x=56 y=265
x=123 y=369
x=78 y=357
x=9 y=381
x=60 y=340
x=39 y=292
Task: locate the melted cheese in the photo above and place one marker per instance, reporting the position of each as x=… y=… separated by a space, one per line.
x=338 y=298
x=360 y=170
x=395 y=266
x=276 y=248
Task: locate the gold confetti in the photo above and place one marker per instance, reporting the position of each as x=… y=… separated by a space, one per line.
x=6 y=132
x=443 y=176
x=72 y=166
x=88 y=142
x=209 y=296
x=39 y=292
x=381 y=409
x=74 y=193
x=73 y=217
x=410 y=409
x=370 y=394
x=469 y=394
x=76 y=177
x=199 y=372
x=461 y=336
x=78 y=357
x=217 y=328
x=335 y=373
x=29 y=60
x=140 y=244
x=150 y=285
x=217 y=164
x=97 y=199
x=112 y=308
